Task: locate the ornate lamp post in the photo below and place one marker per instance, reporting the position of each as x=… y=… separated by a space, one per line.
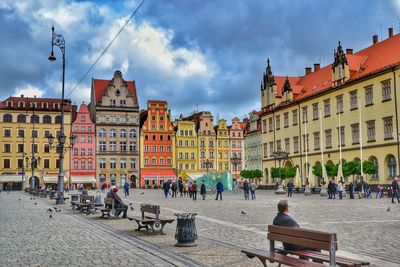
x=59 y=41
x=235 y=161
x=208 y=164
x=280 y=155
x=33 y=164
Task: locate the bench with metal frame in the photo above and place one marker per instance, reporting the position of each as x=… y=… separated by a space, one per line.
x=154 y=221
x=109 y=208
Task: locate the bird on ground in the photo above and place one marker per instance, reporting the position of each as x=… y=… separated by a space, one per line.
x=35 y=203
x=30 y=198
x=388 y=209
x=132 y=208
x=58 y=210
x=33 y=198
x=50 y=216
x=49 y=210
x=243 y=213
x=19 y=199
x=142 y=193
x=130 y=204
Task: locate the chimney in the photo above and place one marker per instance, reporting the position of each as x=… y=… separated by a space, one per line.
x=22 y=96
x=316 y=66
x=390 y=30
x=375 y=39
x=308 y=70
x=349 y=51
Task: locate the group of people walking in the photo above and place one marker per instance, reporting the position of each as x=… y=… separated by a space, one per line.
x=249 y=188
x=190 y=189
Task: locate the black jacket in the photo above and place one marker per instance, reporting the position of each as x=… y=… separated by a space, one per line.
x=282 y=219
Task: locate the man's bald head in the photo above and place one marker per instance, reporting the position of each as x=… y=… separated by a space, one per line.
x=283 y=206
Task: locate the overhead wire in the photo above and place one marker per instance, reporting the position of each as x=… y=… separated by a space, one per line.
x=107 y=47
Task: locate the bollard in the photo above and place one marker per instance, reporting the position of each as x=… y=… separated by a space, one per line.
x=186 y=232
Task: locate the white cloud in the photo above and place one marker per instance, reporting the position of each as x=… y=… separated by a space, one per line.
x=29 y=91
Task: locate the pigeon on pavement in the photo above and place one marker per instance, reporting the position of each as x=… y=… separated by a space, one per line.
x=49 y=210
x=35 y=203
x=132 y=208
x=142 y=193
x=388 y=209
x=50 y=216
x=243 y=213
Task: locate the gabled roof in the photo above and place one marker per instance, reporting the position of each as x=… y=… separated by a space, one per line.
x=377 y=57
x=100 y=87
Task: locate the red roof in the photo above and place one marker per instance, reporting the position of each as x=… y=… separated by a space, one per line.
x=37 y=100
x=374 y=58
x=100 y=86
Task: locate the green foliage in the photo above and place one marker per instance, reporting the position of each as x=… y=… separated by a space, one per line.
x=317 y=170
x=283 y=173
x=369 y=167
x=331 y=169
x=251 y=174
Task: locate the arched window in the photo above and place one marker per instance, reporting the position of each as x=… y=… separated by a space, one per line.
x=21 y=118
x=132 y=133
x=146 y=161
x=375 y=162
x=392 y=166
x=7 y=118
x=34 y=119
x=153 y=161
x=102 y=132
x=113 y=132
x=58 y=119
x=122 y=133
x=46 y=119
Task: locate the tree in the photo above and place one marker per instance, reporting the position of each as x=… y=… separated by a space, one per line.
x=331 y=169
x=251 y=174
x=369 y=167
x=317 y=169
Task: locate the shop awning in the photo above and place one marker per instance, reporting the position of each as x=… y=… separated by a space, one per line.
x=10 y=178
x=89 y=179
x=47 y=179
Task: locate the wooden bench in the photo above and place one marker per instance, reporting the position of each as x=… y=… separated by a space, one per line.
x=155 y=221
x=85 y=203
x=109 y=208
x=309 y=239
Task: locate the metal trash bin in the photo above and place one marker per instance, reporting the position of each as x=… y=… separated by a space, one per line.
x=186 y=232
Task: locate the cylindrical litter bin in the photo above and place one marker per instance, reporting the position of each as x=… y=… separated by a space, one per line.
x=186 y=232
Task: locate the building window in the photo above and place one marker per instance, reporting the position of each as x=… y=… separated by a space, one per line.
x=113 y=146
x=161 y=161
x=264 y=126
x=286 y=119
x=270 y=125
x=122 y=103
x=6 y=163
x=169 y=161
x=153 y=149
x=386 y=91
x=75 y=152
x=353 y=100
x=122 y=164
x=122 y=146
x=369 y=95
x=102 y=163
x=7 y=148
x=355 y=133
x=83 y=151
x=328 y=138
x=371 y=131
x=305 y=117
x=82 y=139
x=90 y=152
x=46 y=119
x=161 y=149
x=113 y=133
x=58 y=119
x=278 y=122
x=112 y=102
x=271 y=148
x=132 y=133
x=315 y=111
x=153 y=161
x=192 y=155
x=46 y=164
x=102 y=146
x=186 y=143
x=186 y=155
x=34 y=133
x=132 y=146
x=122 y=133
x=7 y=133
x=211 y=155
x=90 y=165
x=89 y=139
x=306 y=143
x=339 y=103
x=392 y=166
x=375 y=161
x=388 y=127
x=153 y=137
x=316 y=141
x=20 y=118
x=327 y=107
x=287 y=145
x=133 y=164
x=146 y=148
x=265 y=146
x=57 y=163
x=294 y=117
x=21 y=133
x=46 y=148
x=83 y=165
x=102 y=132
x=113 y=164
x=341 y=136
x=20 y=148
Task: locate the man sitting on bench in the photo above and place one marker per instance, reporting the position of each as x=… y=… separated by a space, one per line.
x=118 y=202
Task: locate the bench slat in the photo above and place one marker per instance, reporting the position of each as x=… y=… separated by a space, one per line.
x=280 y=258
x=140 y=219
x=300 y=232
x=300 y=241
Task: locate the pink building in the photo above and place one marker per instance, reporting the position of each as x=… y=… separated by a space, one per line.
x=236 y=149
x=83 y=164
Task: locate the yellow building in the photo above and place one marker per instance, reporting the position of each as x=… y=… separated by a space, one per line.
x=25 y=124
x=223 y=146
x=313 y=110
x=186 y=152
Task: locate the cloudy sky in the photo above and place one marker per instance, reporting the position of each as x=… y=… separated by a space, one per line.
x=196 y=54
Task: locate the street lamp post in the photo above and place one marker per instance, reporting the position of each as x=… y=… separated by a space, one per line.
x=208 y=164
x=280 y=155
x=59 y=41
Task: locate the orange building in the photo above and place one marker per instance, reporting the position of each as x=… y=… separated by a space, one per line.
x=156 y=145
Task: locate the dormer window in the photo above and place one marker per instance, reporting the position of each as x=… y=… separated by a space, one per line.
x=9 y=104
x=340 y=71
x=112 y=102
x=21 y=104
x=45 y=105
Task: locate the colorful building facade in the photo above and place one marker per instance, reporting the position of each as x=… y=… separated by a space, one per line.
x=186 y=149
x=83 y=154
x=253 y=143
x=345 y=111
x=115 y=109
x=223 y=146
x=25 y=124
x=236 y=147
x=157 y=144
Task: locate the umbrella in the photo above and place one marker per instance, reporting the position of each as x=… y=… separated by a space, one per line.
x=324 y=174
x=311 y=177
x=297 y=179
x=339 y=175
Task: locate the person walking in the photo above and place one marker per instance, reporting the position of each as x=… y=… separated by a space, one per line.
x=253 y=190
x=203 y=190
x=334 y=189
x=395 y=190
x=340 y=190
x=351 y=190
x=289 y=188
x=220 y=189
x=246 y=189
x=190 y=189
x=166 y=189
x=330 y=190
x=194 y=191
x=378 y=192
x=180 y=187
x=185 y=189
x=174 y=189
x=126 y=189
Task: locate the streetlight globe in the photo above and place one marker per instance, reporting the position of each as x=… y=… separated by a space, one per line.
x=52 y=58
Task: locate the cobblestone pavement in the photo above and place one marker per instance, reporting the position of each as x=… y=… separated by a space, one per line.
x=364 y=228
